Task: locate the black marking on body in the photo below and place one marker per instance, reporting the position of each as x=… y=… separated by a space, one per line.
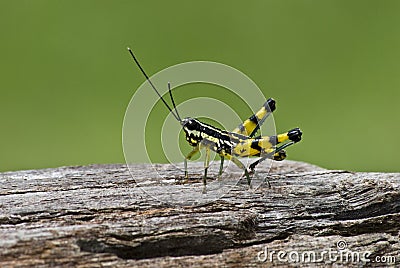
x=255 y=146
x=254 y=119
x=270 y=105
x=295 y=134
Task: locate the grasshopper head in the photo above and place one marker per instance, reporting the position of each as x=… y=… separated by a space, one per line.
x=191 y=128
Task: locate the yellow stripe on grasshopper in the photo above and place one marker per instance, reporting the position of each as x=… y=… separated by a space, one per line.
x=250 y=124
x=283 y=137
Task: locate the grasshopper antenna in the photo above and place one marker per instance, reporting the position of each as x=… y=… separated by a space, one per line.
x=173 y=102
x=152 y=85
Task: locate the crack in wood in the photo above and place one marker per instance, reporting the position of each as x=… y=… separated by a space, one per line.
x=174 y=246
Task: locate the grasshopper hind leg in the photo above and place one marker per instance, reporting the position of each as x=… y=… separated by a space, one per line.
x=279 y=154
x=275 y=155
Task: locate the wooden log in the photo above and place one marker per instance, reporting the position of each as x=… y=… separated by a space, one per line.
x=92 y=216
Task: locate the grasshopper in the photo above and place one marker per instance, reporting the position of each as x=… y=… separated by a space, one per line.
x=241 y=142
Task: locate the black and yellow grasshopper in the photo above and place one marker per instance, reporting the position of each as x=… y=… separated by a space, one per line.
x=231 y=145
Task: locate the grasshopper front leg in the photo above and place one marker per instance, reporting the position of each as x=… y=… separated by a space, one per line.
x=188 y=157
x=221 y=166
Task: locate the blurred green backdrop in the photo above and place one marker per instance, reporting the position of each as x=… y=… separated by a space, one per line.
x=66 y=77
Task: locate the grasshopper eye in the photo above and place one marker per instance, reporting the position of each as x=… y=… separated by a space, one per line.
x=190 y=124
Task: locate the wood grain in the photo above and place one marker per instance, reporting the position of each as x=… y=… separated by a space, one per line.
x=96 y=216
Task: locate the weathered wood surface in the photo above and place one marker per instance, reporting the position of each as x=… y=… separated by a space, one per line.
x=91 y=216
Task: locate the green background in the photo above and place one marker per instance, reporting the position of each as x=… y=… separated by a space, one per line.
x=332 y=66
